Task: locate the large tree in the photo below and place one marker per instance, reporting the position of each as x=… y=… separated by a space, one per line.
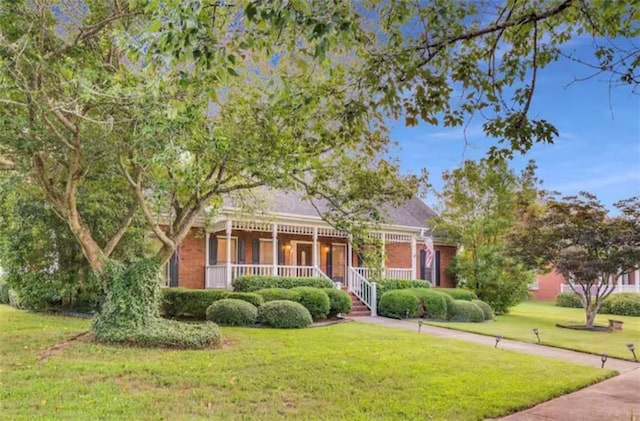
x=481 y=203
x=576 y=236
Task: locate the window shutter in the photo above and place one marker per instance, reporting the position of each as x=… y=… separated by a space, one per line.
x=280 y=253
x=255 y=250
x=173 y=270
x=213 y=250
x=437 y=268
x=423 y=269
x=330 y=263
x=242 y=252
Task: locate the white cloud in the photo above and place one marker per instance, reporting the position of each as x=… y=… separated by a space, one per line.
x=591 y=184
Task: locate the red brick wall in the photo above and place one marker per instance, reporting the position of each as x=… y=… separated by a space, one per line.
x=191 y=262
x=398 y=255
x=548 y=286
x=446 y=255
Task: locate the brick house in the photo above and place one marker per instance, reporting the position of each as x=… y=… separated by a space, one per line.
x=290 y=238
x=548 y=285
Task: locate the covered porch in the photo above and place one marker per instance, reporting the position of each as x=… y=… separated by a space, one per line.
x=629 y=282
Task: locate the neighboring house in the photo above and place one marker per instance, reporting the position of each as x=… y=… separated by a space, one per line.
x=551 y=284
x=289 y=238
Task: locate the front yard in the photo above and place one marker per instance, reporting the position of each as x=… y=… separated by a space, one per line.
x=518 y=324
x=346 y=371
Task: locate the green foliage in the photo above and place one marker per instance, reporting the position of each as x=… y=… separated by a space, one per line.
x=315 y=300
x=232 y=312
x=448 y=299
x=399 y=304
x=458 y=293
x=625 y=304
x=486 y=309
x=189 y=303
x=568 y=299
x=339 y=301
x=284 y=314
x=432 y=303
x=466 y=311
x=255 y=283
x=249 y=297
x=384 y=285
x=130 y=314
x=4 y=291
x=272 y=294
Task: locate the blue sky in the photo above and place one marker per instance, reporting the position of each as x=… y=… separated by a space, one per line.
x=598 y=149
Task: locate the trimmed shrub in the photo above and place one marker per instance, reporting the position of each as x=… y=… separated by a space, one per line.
x=190 y=303
x=315 y=300
x=448 y=299
x=626 y=304
x=339 y=301
x=486 y=309
x=273 y=294
x=568 y=299
x=250 y=297
x=284 y=314
x=165 y=333
x=399 y=304
x=387 y=284
x=232 y=312
x=459 y=293
x=432 y=303
x=466 y=311
x=255 y=283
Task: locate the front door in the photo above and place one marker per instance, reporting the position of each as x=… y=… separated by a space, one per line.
x=338 y=263
x=304 y=257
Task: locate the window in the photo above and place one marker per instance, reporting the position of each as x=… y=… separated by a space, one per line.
x=266 y=252
x=624 y=279
x=222 y=250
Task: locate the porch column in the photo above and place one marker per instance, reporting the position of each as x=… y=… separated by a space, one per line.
x=206 y=260
x=274 y=242
x=229 y=227
x=349 y=262
x=384 y=253
x=636 y=280
x=414 y=257
x=314 y=249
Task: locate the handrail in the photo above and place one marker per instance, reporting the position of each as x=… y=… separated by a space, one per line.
x=366 y=291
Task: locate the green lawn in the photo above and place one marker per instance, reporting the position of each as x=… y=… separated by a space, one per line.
x=518 y=324
x=347 y=371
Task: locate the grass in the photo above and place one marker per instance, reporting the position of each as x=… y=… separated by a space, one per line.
x=346 y=371
x=518 y=324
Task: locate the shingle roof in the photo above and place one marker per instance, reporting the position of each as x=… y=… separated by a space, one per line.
x=413 y=213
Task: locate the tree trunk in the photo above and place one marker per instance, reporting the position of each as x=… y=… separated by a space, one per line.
x=91 y=250
x=591 y=312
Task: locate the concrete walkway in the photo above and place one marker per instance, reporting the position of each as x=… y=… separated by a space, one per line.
x=614 y=399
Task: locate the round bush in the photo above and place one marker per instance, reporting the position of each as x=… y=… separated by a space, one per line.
x=486 y=309
x=339 y=301
x=232 y=312
x=568 y=299
x=315 y=300
x=448 y=299
x=399 y=304
x=627 y=304
x=466 y=311
x=273 y=294
x=249 y=297
x=284 y=314
x=432 y=303
x=459 y=293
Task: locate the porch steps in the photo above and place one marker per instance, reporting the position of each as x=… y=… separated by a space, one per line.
x=358 y=309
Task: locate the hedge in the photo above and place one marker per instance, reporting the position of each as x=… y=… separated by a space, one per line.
x=387 y=284
x=625 y=304
x=568 y=299
x=190 y=303
x=250 y=297
x=466 y=311
x=459 y=293
x=448 y=299
x=273 y=294
x=432 y=303
x=284 y=314
x=399 y=304
x=4 y=291
x=254 y=283
x=486 y=309
x=339 y=301
x=315 y=300
x=232 y=312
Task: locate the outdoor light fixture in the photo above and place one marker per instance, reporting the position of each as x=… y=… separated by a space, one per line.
x=603 y=359
x=420 y=325
x=498 y=339
x=632 y=348
x=406 y=314
x=537 y=333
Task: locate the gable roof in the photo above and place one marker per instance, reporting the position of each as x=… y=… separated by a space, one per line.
x=413 y=213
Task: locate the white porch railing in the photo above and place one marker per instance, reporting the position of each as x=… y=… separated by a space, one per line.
x=616 y=289
x=366 y=291
x=397 y=273
x=216 y=276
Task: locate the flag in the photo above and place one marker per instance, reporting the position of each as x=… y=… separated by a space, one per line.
x=429 y=252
